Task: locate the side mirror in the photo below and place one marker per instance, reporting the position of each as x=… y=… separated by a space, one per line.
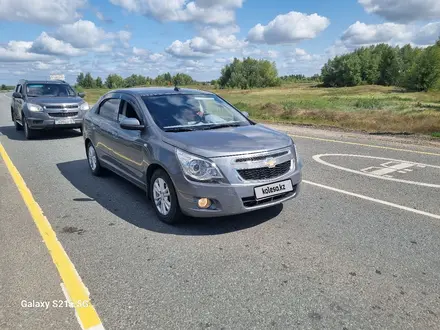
x=17 y=95
x=81 y=95
x=245 y=113
x=131 y=124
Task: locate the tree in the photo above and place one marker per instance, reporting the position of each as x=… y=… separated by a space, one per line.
x=425 y=72
x=181 y=79
x=249 y=73
x=114 y=81
x=4 y=87
x=98 y=82
x=80 y=79
x=88 y=81
x=389 y=68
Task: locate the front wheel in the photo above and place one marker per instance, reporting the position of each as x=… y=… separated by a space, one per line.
x=28 y=132
x=164 y=198
x=92 y=158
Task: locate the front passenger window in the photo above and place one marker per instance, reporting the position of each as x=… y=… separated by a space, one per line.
x=109 y=109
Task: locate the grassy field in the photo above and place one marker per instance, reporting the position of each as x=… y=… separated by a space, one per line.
x=374 y=109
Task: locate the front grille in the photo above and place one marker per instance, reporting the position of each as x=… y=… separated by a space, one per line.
x=251 y=201
x=263 y=173
x=63 y=114
x=257 y=158
x=62 y=106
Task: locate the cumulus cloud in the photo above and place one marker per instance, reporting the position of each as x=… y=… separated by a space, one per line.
x=41 y=11
x=428 y=34
x=85 y=34
x=203 y=11
x=289 y=28
x=184 y=50
x=45 y=44
x=20 y=51
x=403 y=11
x=360 y=34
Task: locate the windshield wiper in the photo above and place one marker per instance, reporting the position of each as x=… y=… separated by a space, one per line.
x=179 y=129
x=215 y=126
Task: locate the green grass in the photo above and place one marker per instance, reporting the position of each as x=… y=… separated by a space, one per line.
x=366 y=108
x=436 y=134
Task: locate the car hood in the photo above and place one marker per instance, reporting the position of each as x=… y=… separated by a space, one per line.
x=228 y=141
x=54 y=100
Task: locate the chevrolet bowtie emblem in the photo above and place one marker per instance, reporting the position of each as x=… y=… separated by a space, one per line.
x=271 y=163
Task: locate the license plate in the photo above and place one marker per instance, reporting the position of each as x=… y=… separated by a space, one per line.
x=273 y=189
x=64 y=121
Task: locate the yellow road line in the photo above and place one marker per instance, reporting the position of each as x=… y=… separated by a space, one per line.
x=77 y=291
x=365 y=145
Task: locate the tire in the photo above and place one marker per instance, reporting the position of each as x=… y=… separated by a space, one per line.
x=28 y=132
x=93 y=160
x=18 y=127
x=170 y=212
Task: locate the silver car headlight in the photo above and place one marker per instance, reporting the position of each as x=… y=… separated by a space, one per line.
x=84 y=106
x=198 y=168
x=34 y=107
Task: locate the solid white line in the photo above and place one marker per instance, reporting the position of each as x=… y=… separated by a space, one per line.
x=423 y=184
x=401 y=207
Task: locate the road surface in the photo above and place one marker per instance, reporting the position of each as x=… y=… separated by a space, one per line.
x=358 y=249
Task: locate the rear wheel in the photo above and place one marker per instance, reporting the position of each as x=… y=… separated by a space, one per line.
x=28 y=132
x=164 y=198
x=92 y=158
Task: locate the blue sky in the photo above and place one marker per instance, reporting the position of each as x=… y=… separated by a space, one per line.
x=198 y=37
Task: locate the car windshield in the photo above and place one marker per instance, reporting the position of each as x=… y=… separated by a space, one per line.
x=192 y=112
x=34 y=90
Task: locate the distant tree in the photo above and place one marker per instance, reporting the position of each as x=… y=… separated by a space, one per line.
x=88 y=81
x=4 y=87
x=80 y=79
x=182 y=79
x=114 y=81
x=389 y=68
x=98 y=82
x=249 y=73
x=425 y=72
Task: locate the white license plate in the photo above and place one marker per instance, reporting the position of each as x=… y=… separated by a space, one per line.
x=273 y=189
x=64 y=121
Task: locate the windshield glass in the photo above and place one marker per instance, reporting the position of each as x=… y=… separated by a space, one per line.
x=192 y=112
x=49 y=90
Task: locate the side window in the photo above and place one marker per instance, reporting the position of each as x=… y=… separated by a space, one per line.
x=19 y=89
x=16 y=88
x=127 y=111
x=109 y=109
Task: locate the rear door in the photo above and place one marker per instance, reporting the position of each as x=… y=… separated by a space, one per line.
x=105 y=129
x=130 y=144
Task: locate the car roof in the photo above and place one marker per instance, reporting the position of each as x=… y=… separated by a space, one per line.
x=44 y=82
x=155 y=91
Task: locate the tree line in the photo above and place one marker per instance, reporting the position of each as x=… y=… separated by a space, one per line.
x=6 y=88
x=116 y=81
x=413 y=68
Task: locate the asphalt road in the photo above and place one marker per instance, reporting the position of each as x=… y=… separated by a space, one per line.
x=356 y=250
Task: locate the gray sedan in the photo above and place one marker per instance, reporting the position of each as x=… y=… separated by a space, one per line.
x=192 y=152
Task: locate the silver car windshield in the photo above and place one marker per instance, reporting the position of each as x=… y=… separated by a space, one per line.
x=34 y=90
x=179 y=112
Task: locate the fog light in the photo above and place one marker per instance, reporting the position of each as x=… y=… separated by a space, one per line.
x=204 y=203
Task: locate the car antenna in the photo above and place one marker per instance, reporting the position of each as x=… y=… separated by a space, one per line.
x=176 y=89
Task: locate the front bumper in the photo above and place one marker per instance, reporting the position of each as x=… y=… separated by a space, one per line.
x=230 y=199
x=44 y=121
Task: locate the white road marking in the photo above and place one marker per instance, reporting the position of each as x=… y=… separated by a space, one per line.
x=383 y=177
x=401 y=207
x=389 y=167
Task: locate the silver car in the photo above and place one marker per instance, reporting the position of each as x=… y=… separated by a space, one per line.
x=191 y=151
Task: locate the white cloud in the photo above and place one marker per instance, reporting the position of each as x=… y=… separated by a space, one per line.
x=140 y=51
x=289 y=28
x=20 y=51
x=360 y=34
x=428 y=34
x=85 y=34
x=203 y=11
x=403 y=10
x=45 y=44
x=41 y=11
x=183 y=49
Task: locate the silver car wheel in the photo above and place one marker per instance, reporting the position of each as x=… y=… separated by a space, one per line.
x=162 y=196
x=92 y=158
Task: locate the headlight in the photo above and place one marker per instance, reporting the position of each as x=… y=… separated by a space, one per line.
x=198 y=168
x=84 y=106
x=34 y=107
